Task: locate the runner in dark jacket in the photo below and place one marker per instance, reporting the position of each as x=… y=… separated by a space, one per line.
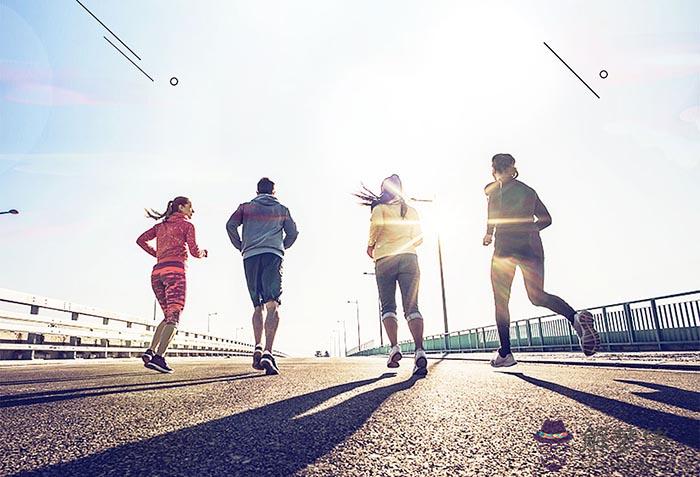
x=517 y=215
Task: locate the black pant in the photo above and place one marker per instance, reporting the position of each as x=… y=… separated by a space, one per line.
x=263 y=274
x=532 y=268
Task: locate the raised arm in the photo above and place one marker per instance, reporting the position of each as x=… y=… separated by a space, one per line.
x=290 y=231
x=192 y=243
x=146 y=237
x=544 y=220
x=494 y=206
x=376 y=222
x=232 y=225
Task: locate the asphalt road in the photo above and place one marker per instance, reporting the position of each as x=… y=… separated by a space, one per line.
x=324 y=417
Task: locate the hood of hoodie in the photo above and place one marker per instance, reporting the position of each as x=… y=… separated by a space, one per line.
x=266 y=199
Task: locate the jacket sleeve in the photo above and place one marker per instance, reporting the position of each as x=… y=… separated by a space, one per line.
x=376 y=222
x=192 y=242
x=290 y=230
x=146 y=237
x=544 y=220
x=232 y=225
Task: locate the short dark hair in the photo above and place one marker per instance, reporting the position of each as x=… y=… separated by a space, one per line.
x=265 y=186
x=501 y=162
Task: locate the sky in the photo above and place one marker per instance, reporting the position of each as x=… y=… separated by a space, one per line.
x=322 y=96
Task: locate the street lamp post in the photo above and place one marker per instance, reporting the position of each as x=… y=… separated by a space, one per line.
x=379 y=306
x=11 y=211
x=442 y=281
x=209 y=321
x=357 y=311
x=345 y=338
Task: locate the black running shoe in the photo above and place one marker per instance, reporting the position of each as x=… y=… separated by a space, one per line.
x=147 y=356
x=257 y=356
x=268 y=363
x=157 y=363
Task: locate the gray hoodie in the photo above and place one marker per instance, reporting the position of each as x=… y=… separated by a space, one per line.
x=263 y=220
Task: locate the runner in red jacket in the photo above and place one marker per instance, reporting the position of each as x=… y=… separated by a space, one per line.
x=173 y=236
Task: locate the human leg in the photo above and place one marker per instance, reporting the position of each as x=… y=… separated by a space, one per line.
x=502 y=273
x=409 y=283
x=175 y=293
x=386 y=271
x=533 y=275
x=583 y=322
x=159 y=291
x=258 y=324
x=272 y=320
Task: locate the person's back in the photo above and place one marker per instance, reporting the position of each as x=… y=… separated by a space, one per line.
x=516 y=214
x=172 y=236
x=268 y=230
x=267 y=226
x=512 y=210
x=393 y=234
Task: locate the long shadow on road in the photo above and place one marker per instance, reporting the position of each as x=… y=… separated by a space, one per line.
x=42 y=397
x=274 y=440
x=679 y=428
x=678 y=397
x=72 y=378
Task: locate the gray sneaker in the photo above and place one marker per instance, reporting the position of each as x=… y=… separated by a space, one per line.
x=394 y=357
x=421 y=364
x=503 y=362
x=588 y=337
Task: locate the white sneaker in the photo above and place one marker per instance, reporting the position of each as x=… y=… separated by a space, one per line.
x=421 y=363
x=394 y=357
x=588 y=337
x=499 y=362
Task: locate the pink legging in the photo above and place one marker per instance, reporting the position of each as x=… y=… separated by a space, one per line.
x=170 y=289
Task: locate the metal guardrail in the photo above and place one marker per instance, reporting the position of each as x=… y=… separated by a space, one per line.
x=665 y=323
x=68 y=330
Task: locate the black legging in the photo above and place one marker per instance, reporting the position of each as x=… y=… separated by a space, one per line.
x=502 y=273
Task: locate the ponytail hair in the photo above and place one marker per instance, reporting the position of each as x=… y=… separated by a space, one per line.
x=391 y=190
x=172 y=207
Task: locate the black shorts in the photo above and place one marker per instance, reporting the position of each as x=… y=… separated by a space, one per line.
x=526 y=245
x=263 y=273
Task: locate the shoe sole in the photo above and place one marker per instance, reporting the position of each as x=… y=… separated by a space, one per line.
x=155 y=367
x=503 y=365
x=590 y=341
x=394 y=363
x=421 y=367
x=269 y=368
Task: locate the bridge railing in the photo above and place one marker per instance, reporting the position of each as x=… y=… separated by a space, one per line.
x=665 y=323
x=58 y=329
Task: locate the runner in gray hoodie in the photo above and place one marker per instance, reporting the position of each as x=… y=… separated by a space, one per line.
x=268 y=230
